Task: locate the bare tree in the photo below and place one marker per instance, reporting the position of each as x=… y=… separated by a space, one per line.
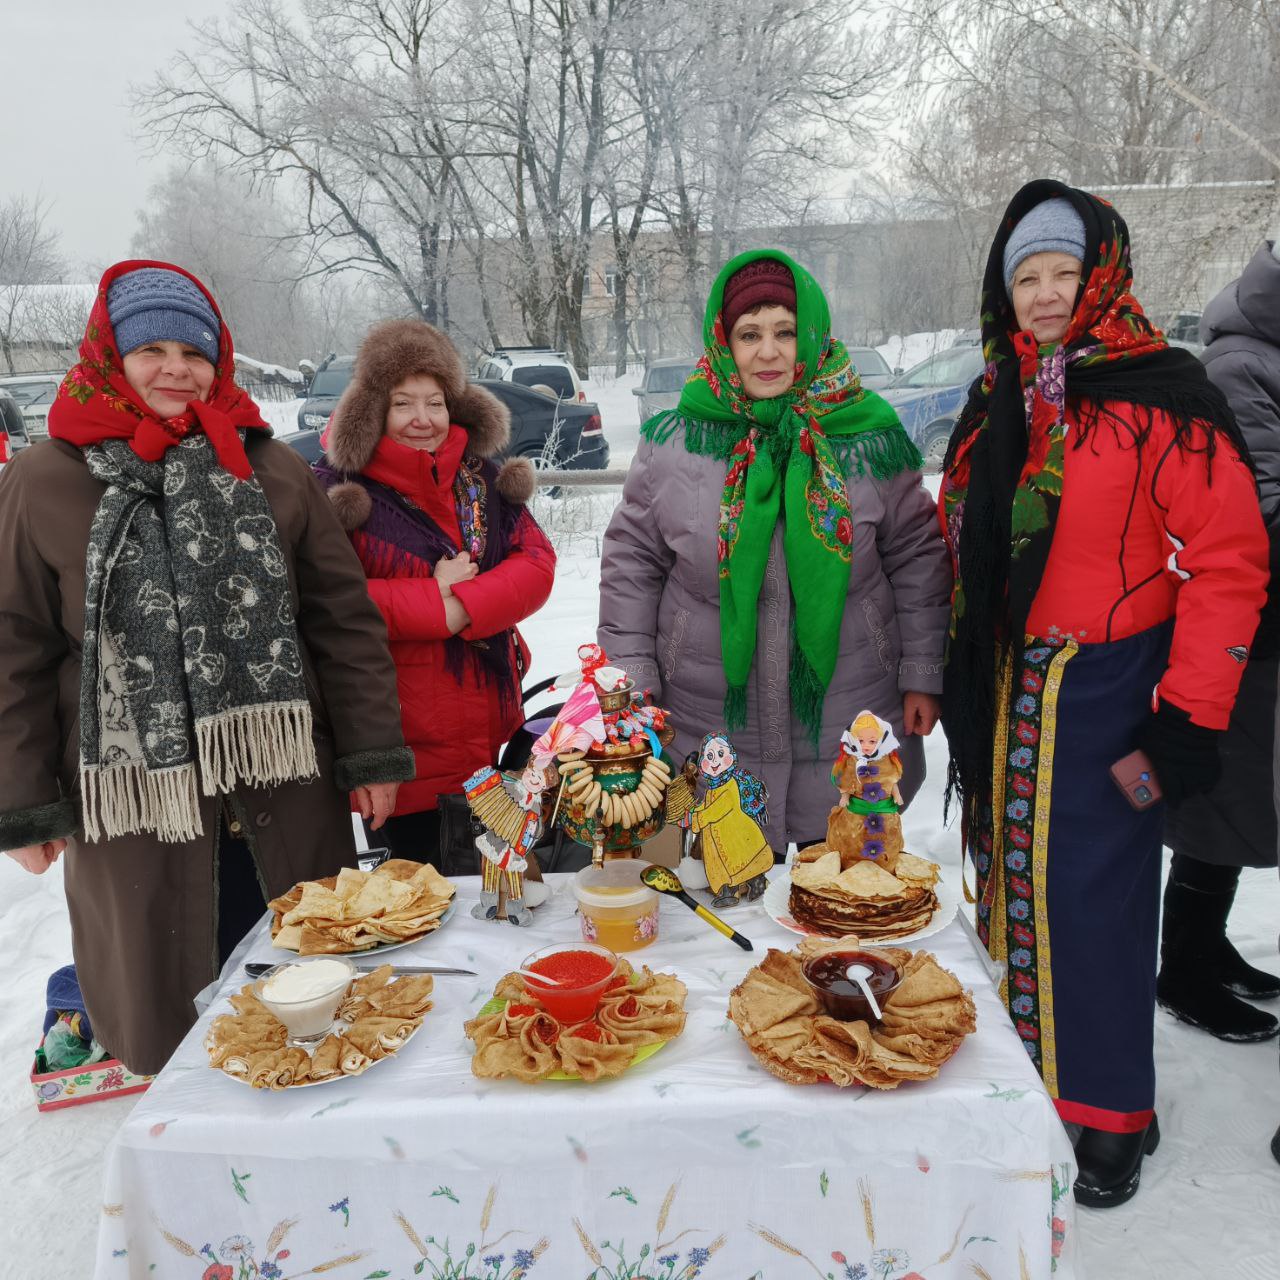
x=241 y=243
x=356 y=105
x=758 y=106
x=29 y=257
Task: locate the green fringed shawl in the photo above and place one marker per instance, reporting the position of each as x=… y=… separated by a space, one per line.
x=787 y=454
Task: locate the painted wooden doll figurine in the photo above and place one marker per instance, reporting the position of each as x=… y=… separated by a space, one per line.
x=866 y=822
x=511 y=810
x=734 y=850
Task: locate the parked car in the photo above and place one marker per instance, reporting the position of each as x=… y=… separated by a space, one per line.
x=1183 y=328
x=13 y=429
x=533 y=367
x=929 y=395
x=561 y=434
x=34 y=393
x=873 y=369
x=327 y=383
x=662 y=383
x=968 y=338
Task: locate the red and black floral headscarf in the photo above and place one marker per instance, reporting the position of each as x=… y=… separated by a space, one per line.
x=1003 y=475
x=95 y=402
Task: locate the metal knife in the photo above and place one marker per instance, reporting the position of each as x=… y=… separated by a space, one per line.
x=257 y=970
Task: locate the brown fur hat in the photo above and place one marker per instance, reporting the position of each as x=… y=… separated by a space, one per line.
x=391 y=352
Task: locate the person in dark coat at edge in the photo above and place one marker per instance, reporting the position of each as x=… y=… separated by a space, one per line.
x=1203 y=979
x=1111 y=563
x=192 y=675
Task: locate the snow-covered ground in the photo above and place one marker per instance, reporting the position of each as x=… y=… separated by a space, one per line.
x=619 y=410
x=281 y=415
x=1210 y=1199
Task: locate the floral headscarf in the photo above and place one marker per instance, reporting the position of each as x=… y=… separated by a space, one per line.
x=788 y=456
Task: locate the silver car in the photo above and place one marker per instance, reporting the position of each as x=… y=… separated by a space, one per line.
x=873 y=371
x=662 y=383
x=34 y=393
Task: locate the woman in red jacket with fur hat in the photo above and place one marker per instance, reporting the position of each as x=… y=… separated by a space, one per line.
x=453 y=557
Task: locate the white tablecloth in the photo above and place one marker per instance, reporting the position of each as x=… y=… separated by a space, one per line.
x=695 y=1163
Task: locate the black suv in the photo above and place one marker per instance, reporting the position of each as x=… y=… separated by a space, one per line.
x=327 y=385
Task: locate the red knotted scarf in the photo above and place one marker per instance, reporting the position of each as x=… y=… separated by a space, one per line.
x=96 y=403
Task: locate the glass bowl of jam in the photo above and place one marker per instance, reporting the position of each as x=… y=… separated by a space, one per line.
x=581 y=971
x=828 y=976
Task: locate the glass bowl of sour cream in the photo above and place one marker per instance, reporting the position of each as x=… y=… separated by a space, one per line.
x=305 y=995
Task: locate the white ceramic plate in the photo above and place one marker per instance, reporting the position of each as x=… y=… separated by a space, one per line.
x=386 y=946
x=777 y=902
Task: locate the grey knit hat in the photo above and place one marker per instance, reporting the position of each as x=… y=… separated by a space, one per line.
x=1053 y=226
x=155 y=305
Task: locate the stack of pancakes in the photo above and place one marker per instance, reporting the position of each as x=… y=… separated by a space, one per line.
x=864 y=898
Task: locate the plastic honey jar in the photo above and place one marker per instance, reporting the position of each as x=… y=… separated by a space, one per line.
x=615 y=908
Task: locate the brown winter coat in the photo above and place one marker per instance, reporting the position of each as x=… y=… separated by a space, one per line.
x=144 y=913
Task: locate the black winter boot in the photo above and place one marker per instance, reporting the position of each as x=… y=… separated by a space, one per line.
x=1242 y=979
x=1110 y=1164
x=1190 y=984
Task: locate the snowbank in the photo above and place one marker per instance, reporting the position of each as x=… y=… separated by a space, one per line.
x=903 y=352
x=281 y=415
x=619 y=409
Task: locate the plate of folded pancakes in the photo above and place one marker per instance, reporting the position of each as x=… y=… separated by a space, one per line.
x=926 y=1019
x=819 y=896
x=356 y=912
x=516 y=1038
x=376 y=1019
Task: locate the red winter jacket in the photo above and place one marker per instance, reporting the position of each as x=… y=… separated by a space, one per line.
x=453 y=726
x=1152 y=532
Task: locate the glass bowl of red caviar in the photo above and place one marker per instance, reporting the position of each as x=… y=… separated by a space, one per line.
x=582 y=972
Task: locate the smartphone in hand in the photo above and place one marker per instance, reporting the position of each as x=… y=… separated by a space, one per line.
x=1136 y=777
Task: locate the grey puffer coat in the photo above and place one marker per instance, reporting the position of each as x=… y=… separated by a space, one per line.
x=1241 y=332
x=1235 y=824
x=660 y=621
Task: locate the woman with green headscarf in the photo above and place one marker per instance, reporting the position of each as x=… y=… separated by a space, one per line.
x=776 y=566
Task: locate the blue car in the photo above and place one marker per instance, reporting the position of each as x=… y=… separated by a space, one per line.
x=930 y=395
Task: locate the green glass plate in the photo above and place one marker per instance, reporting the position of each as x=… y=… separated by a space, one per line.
x=497 y=1004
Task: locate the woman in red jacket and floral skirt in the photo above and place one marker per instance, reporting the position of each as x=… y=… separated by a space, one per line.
x=1110 y=566
x=453 y=556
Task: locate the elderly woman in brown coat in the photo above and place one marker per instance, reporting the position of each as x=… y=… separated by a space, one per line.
x=776 y=565
x=192 y=675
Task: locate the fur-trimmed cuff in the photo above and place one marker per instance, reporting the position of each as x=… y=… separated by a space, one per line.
x=362 y=768
x=22 y=827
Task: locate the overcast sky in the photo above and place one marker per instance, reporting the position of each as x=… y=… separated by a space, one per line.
x=66 y=131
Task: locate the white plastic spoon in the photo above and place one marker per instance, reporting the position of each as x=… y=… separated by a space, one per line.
x=550 y=982
x=859 y=973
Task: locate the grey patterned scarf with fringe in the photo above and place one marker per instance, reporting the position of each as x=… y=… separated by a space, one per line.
x=192 y=677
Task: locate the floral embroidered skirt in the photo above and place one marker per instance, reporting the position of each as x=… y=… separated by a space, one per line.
x=1069 y=876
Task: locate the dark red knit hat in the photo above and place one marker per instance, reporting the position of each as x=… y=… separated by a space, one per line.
x=766 y=282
